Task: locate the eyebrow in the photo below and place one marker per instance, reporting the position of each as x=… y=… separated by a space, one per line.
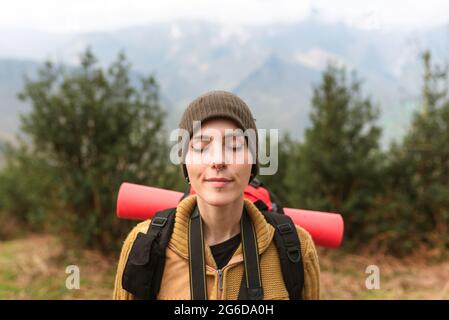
x=233 y=134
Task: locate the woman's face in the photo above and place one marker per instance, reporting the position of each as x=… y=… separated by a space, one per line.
x=218 y=150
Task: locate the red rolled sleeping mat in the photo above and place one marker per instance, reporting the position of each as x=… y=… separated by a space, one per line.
x=142 y=202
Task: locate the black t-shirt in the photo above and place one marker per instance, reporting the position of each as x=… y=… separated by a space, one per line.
x=223 y=251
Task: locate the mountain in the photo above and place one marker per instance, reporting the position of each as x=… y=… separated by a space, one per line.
x=281 y=88
x=273 y=67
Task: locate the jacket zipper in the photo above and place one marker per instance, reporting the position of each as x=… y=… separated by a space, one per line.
x=220 y=278
x=220 y=283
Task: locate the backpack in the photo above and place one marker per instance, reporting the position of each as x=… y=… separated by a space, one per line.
x=145 y=265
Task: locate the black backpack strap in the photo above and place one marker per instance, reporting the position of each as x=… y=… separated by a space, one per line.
x=185 y=194
x=261 y=205
x=146 y=261
x=276 y=203
x=289 y=248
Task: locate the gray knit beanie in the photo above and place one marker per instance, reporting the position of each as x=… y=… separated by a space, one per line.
x=219 y=104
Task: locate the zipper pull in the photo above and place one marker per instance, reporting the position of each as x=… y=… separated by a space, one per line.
x=220 y=279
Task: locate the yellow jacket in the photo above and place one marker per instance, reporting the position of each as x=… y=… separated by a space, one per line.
x=175 y=280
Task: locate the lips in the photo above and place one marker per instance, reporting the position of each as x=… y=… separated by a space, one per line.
x=219 y=179
x=218 y=182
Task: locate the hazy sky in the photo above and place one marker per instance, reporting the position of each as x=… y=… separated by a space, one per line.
x=90 y=15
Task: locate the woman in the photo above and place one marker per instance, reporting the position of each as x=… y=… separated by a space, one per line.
x=220 y=214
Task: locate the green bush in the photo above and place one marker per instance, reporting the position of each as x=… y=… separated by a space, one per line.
x=88 y=130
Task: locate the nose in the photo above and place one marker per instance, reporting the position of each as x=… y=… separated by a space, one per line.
x=218 y=158
x=218 y=166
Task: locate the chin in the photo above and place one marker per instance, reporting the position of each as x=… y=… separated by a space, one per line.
x=218 y=198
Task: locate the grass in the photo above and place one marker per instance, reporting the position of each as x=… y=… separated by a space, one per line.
x=34 y=268
x=419 y=276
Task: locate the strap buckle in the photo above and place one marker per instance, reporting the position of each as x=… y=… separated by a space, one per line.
x=256 y=183
x=159 y=222
x=255 y=293
x=294 y=254
x=285 y=228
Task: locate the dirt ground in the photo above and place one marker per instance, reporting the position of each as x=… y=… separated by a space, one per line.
x=35 y=268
